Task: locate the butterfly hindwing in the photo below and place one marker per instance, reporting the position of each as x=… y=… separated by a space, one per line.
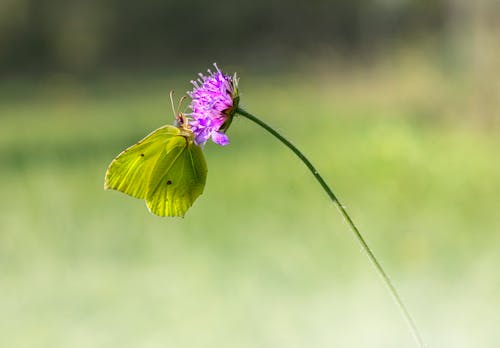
x=178 y=178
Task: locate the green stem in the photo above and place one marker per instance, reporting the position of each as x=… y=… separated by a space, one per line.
x=349 y=221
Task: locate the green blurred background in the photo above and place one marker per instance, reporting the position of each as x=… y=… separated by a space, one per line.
x=396 y=102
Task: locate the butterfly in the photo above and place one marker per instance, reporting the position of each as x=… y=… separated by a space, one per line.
x=166 y=169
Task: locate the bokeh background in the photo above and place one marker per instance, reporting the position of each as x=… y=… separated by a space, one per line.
x=396 y=102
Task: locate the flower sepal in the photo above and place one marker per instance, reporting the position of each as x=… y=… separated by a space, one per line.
x=232 y=111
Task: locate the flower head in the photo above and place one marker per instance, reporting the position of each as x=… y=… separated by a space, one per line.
x=214 y=101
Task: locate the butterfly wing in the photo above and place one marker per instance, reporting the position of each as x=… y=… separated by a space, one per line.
x=131 y=170
x=178 y=178
x=165 y=168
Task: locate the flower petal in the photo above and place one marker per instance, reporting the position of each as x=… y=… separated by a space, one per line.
x=220 y=138
x=212 y=96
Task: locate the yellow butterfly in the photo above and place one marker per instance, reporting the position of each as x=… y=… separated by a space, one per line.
x=166 y=168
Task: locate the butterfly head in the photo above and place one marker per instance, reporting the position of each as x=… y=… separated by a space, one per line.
x=182 y=122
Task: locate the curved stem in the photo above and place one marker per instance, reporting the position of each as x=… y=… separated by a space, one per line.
x=347 y=218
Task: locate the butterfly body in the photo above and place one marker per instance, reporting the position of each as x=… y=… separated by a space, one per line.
x=166 y=169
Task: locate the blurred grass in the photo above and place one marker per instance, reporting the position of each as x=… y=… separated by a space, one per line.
x=262 y=258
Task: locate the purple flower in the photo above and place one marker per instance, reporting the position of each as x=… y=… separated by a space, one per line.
x=214 y=101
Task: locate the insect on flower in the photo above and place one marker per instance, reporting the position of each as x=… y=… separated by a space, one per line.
x=166 y=169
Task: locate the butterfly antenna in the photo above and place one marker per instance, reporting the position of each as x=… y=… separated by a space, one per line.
x=172 y=102
x=180 y=103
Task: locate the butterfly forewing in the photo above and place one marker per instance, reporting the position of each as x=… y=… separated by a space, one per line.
x=131 y=170
x=178 y=178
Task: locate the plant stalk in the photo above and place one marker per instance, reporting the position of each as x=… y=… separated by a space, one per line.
x=380 y=270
